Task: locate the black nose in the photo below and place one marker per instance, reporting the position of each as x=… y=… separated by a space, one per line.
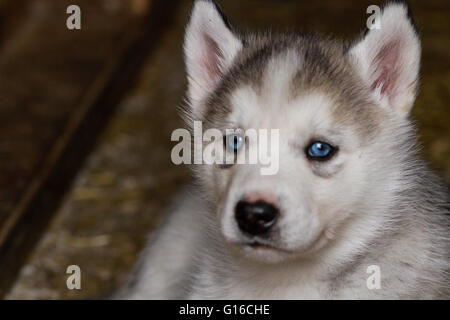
x=255 y=218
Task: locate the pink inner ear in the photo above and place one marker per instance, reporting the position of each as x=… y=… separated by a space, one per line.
x=387 y=69
x=212 y=55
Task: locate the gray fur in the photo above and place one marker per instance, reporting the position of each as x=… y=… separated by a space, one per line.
x=398 y=216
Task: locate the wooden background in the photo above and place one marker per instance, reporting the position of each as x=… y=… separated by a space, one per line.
x=86 y=118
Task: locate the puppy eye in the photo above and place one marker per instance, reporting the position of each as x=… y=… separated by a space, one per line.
x=234 y=142
x=320 y=151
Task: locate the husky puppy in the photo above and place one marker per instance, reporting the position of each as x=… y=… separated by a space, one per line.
x=352 y=213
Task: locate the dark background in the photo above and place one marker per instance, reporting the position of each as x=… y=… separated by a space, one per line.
x=86 y=118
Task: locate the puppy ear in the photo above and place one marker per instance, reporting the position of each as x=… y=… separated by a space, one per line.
x=388 y=59
x=209 y=47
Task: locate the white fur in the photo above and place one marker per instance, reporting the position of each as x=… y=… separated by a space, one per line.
x=396 y=31
x=206 y=23
x=374 y=203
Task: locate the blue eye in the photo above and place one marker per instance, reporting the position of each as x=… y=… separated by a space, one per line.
x=234 y=142
x=320 y=151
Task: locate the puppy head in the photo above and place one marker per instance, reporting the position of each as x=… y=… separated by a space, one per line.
x=335 y=118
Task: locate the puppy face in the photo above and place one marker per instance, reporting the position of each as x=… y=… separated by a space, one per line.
x=340 y=118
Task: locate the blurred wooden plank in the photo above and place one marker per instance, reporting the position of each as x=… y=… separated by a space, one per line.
x=57 y=90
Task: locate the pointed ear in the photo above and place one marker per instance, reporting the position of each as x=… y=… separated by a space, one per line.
x=209 y=47
x=388 y=59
